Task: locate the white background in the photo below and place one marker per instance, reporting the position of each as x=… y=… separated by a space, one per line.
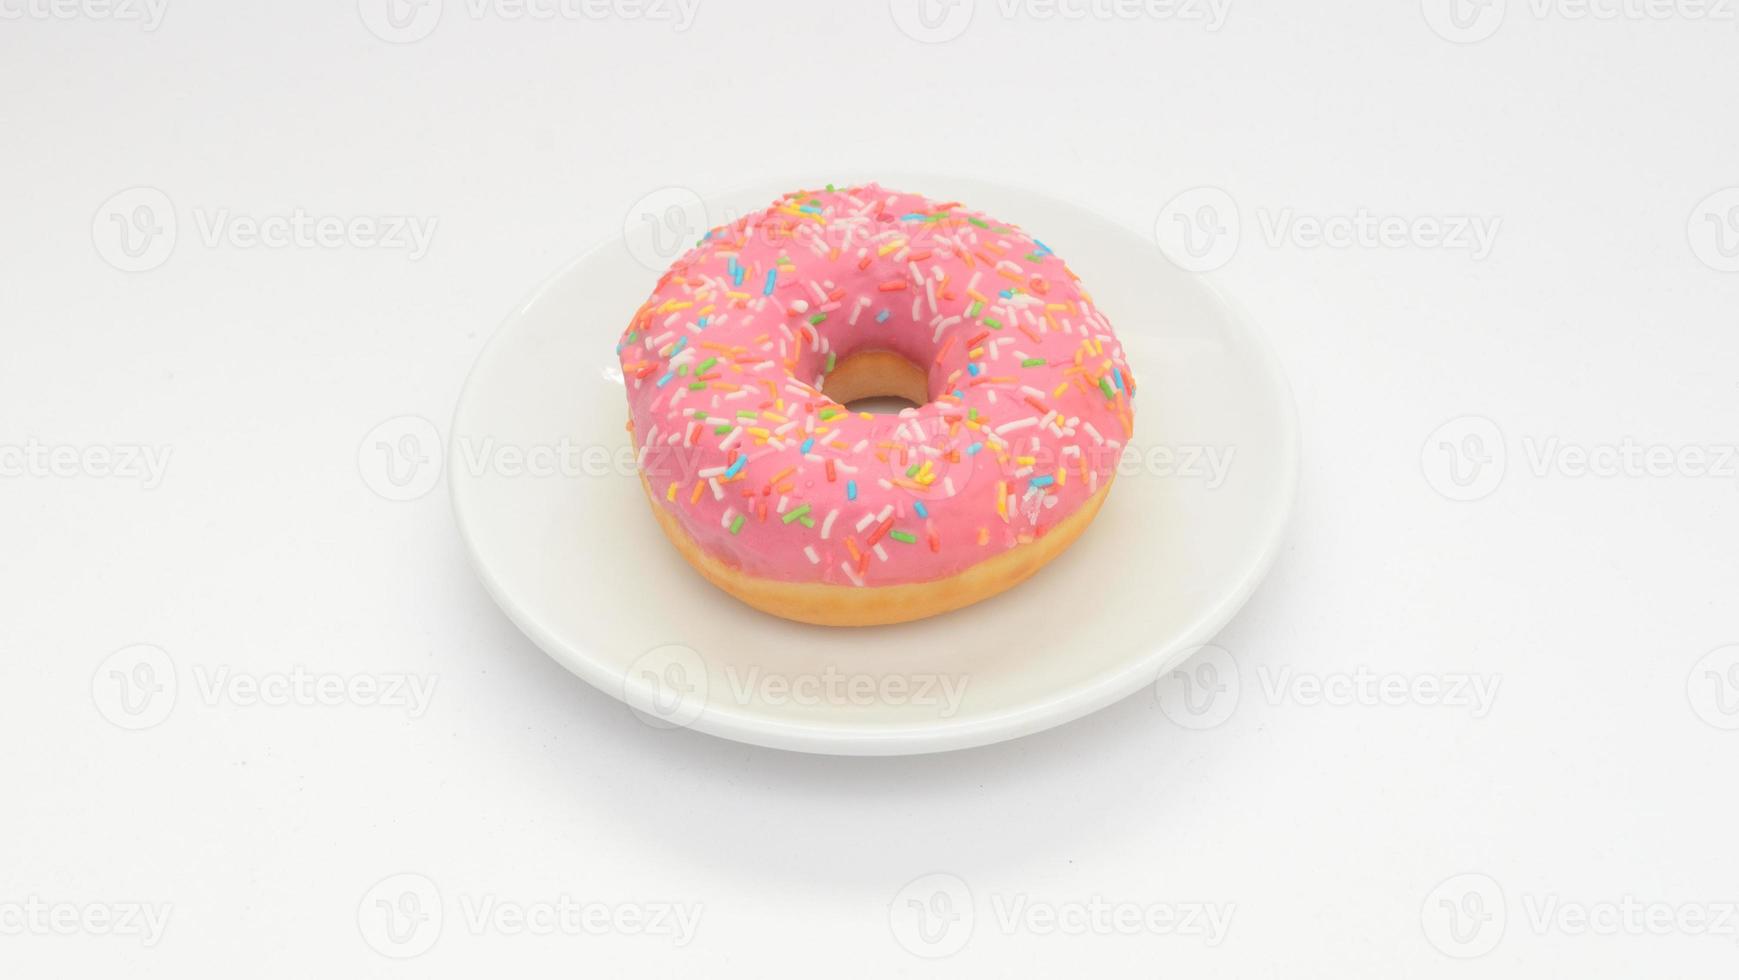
x=1601 y=606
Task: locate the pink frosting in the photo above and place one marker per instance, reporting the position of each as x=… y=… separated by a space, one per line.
x=1030 y=395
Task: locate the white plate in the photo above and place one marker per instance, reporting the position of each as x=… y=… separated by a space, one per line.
x=548 y=503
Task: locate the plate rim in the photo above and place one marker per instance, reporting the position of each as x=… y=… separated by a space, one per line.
x=746 y=726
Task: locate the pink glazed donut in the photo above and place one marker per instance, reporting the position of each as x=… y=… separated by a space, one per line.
x=739 y=367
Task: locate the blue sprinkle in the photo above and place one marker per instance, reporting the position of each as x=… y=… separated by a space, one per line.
x=772 y=278
x=738 y=465
x=1043 y=481
x=959 y=394
x=914 y=216
x=680 y=344
x=882 y=317
x=1117 y=375
x=973 y=369
x=1006 y=294
x=702 y=322
x=973 y=449
x=851 y=489
x=808 y=444
x=1042 y=246
x=918 y=505
x=666 y=379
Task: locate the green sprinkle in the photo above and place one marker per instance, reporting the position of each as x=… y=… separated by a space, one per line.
x=826 y=413
x=795 y=514
x=696 y=385
x=993 y=323
x=744 y=413
x=737 y=524
x=830 y=360
x=806 y=521
x=1035 y=257
x=912 y=470
x=978 y=223
x=704 y=365
x=816 y=319
x=974 y=308
x=905 y=536
x=1105 y=386
x=1033 y=362
x=972 y=413
x=721 y=430
x=682 y=371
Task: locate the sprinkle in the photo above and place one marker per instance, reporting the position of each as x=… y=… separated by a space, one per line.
x=882 y=317
x=902 y=536
x=772 y=280
x=666 y=379
x=993 y=323
x=809 y=551
x=893 y=286
x=796 y=513
x=918 y=505
x=1041 y=481
x=736 y=467
x=737 y=524
x=851 y=489
x=808 y=444
x=1033 y=362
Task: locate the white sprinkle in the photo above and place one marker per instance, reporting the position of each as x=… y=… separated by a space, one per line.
x=1016 y=424
x=814 y=559
x=827 y=525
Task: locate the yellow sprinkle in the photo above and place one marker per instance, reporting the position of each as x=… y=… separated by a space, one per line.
x=671 y=493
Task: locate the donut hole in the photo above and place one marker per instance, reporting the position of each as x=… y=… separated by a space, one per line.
x=880 y=382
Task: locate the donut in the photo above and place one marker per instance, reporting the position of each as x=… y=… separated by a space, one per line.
x=740 y=366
